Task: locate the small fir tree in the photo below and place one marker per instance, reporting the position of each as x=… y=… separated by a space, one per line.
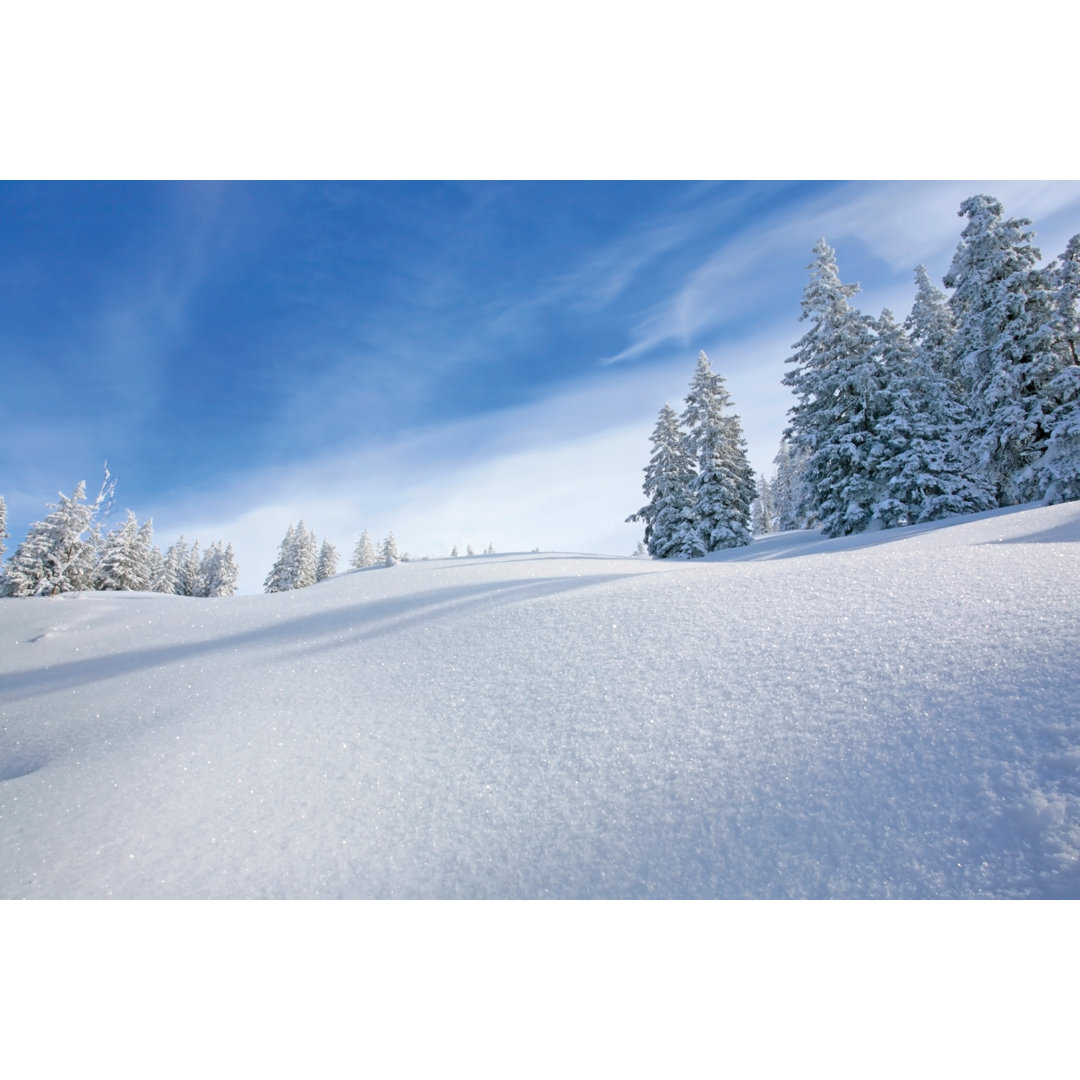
x=218 y=570
x=283 y=574
x=389 y=551
x=763 y=515
x=364 y=554
x=328 y=560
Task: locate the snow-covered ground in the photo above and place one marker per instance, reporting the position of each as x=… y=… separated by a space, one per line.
x=887 y=715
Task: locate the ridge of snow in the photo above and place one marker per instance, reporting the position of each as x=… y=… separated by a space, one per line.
x=883 y=715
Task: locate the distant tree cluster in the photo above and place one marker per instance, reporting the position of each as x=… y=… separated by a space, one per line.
x=369 y=553
x=489 y=550
x=301 y=561
x=972 y=402
x=69 y=552
x=698 y=480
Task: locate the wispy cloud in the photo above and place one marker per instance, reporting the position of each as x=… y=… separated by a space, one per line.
x=902 y=225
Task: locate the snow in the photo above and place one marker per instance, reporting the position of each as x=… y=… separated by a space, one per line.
x=882 y=715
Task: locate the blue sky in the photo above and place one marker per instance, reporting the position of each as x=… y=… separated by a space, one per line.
x=458 y=362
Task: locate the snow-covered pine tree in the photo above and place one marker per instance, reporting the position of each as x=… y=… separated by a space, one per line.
x=1058 y=471
x=925 y=473
x=490 y=550
x=156 y=563
x=283 y=574
x=839 y=387
x=3 y=526
x=763 y=512
x=171 y=578
x=723 y=487
x=55 y=557
x=307 y=557
x=364 y=554
x=790 y=491
x=191 y=580
x=389 y=551
x=668 y=476
x=123 y=564
x=1005 y=347
x=328 y=560
x=469 y=549
x=218 y=570
x=454 y=552
x=919 y=473
x=148 y=557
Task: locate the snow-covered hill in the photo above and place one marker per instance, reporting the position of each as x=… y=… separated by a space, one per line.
x=887 y=715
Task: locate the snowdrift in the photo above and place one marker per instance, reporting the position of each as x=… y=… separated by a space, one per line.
x=888 y=715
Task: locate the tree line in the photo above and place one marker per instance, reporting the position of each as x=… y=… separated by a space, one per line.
x=971 y=403
x=69 y=551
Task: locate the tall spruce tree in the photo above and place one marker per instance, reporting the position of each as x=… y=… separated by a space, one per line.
x=3 y=525
x=839 y=384
x=923 y=470
x=723 y=487
x=1005 y=346
x=1058 y=471
x=668 y=513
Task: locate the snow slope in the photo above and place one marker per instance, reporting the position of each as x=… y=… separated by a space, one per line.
x=888 y=715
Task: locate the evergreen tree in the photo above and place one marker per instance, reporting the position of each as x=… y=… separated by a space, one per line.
x=1005 y=346
x=4 y=534
x=306 y=557
x=839 y=382
x=1058 y=471
x=763 y=512
x=469 y=549
x=191 y=581
x=790 y=491
x=923 y=472
x=156 y=563
x=171 y=578
x=328 y=560
x=124 y=563
x=723 y=487
x=55 y=557
x=668 y=476
x=148 y=557
x=364 y=553
x=284 y=573
x=389 y=551
x=218 y=572
x=454 y=552
x=931 y=328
